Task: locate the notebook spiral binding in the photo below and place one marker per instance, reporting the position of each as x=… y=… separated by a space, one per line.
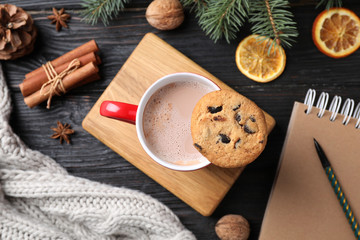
x=347 y=109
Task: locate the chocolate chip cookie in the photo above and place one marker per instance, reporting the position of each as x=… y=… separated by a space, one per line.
x=228 y=129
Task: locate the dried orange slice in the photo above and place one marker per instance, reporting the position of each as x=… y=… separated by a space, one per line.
x=336 y=32
x=255 y=61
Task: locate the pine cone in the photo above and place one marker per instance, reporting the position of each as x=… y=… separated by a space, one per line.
x=17 y=32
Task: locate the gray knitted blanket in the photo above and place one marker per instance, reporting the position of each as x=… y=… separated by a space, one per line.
x=40 y=200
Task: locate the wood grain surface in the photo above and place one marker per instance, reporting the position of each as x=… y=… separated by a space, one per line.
x=89 y=158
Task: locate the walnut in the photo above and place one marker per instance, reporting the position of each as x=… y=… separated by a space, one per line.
x=232 y=227
x=165 y=14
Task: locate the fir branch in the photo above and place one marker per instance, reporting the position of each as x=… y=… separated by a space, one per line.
x=329 y=3
x=197 y=6
x=272 y=20
x=223 y=18
x=104 y=10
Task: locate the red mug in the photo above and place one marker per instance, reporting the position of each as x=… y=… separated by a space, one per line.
x=134 y=114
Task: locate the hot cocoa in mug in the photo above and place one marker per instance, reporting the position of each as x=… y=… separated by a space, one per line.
x=163 y=117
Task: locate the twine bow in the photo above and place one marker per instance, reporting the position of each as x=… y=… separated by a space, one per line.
x=55 y=79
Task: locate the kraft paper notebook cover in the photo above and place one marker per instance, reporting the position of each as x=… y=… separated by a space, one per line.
x=302 y=204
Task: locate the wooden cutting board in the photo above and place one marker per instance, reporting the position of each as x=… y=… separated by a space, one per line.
x=152 y=59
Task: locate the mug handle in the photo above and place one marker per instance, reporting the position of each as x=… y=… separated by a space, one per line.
x=118 y=110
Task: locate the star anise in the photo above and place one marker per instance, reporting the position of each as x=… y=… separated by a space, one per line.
x=60 y=18
x=63 y=132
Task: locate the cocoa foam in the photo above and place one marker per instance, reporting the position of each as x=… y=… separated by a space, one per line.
x=166 y=122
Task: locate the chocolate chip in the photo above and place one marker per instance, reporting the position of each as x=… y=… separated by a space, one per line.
x=238 y=117
x=248 y=129
x=214 y=109
x=219 y=118
x=236 y=107
x=198 y=146
x=252 y=118
x=224 y=138
x=237 y=143
x=262 y=141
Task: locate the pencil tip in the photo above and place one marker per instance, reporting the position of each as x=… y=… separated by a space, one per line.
x=321 y=154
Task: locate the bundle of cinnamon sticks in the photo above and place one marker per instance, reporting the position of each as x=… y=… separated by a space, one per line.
x=32 y=87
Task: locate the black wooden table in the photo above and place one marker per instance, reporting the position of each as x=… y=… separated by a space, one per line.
x=89 y=158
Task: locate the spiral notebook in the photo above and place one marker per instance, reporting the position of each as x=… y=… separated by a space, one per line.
x=302 y=204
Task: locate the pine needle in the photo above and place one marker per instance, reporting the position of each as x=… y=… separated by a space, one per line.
x=223 y=18
x=104 y=10
x=197 y=6
x=329 y=3
x=274 y=21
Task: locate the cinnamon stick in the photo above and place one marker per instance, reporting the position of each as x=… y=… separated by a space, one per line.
x=34 y=83
x=88 y=47
x=90 y=79
x=70 y=81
